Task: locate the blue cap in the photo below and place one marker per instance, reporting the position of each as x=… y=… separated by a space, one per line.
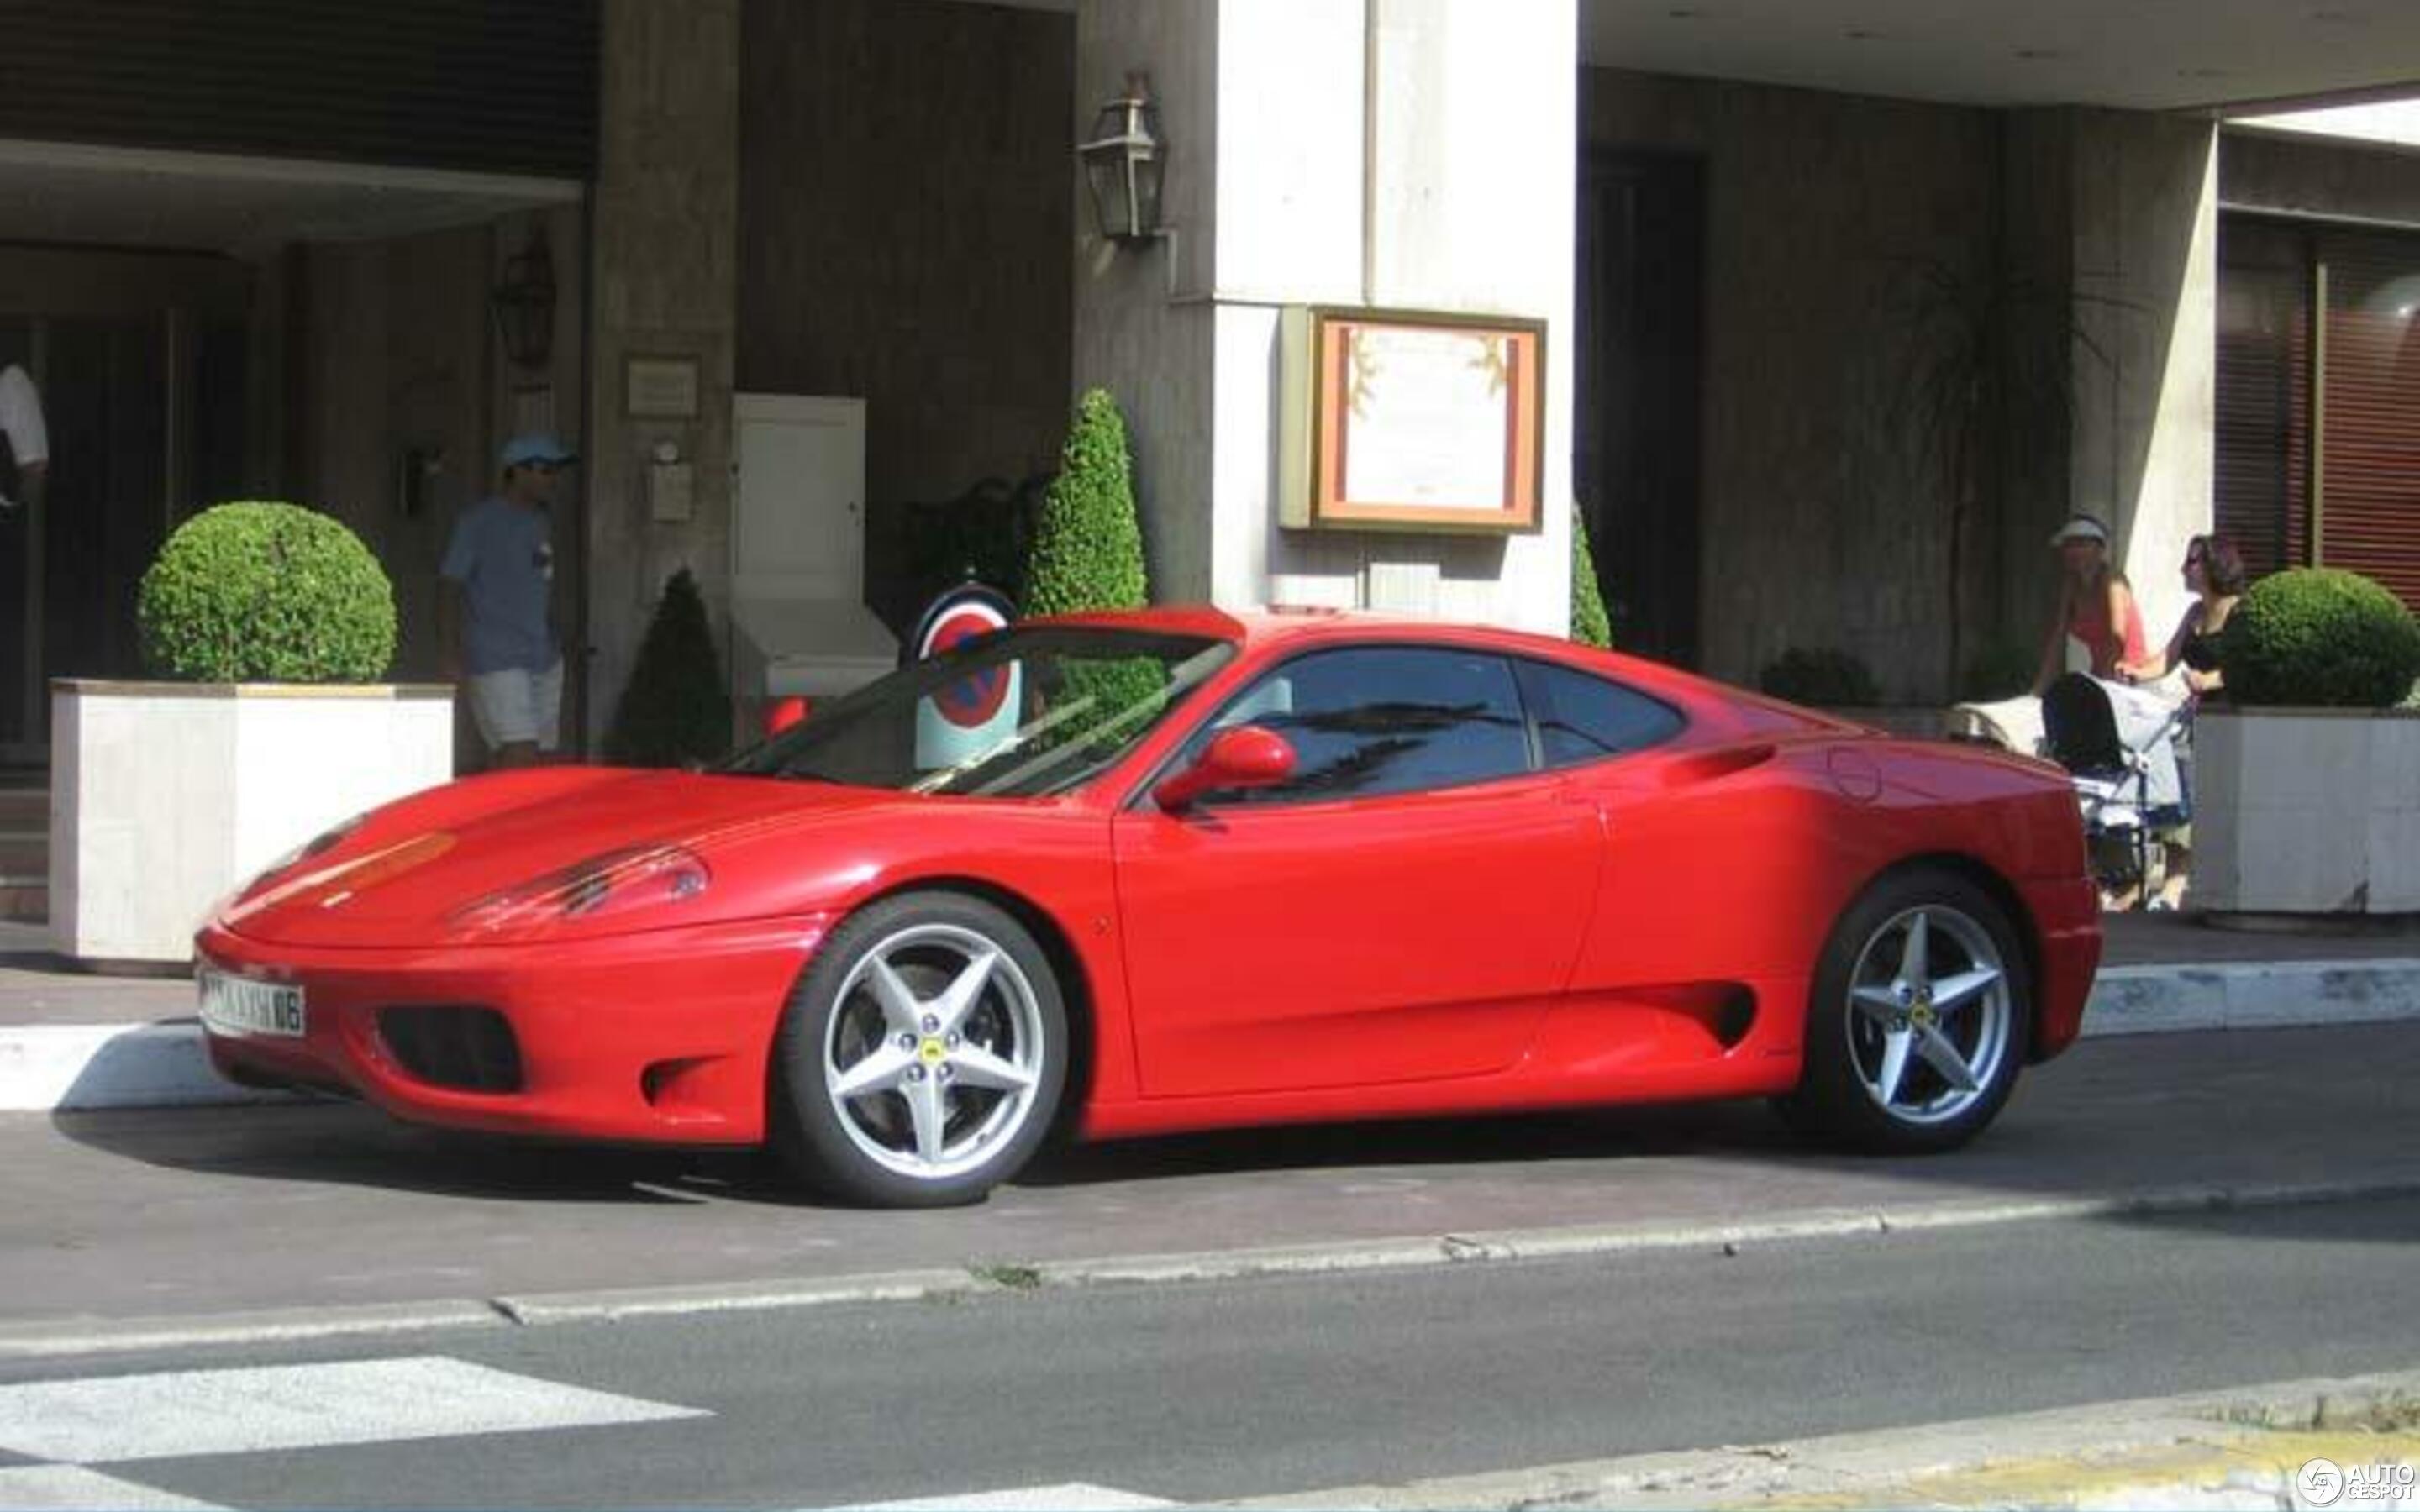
x=537 y=446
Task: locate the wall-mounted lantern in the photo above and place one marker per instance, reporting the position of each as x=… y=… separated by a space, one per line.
x=524 y=304
x=1122 y=164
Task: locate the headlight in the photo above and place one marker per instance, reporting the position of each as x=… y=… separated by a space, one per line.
x=603 y=887
x=319 y=844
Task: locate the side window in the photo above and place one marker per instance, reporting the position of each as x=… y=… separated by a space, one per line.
x=1584 y=718
x=1383 y=719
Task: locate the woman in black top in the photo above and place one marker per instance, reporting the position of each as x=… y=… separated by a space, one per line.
x=2215 y=571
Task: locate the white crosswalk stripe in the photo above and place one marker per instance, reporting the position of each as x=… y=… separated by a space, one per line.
x=59 y=1488
x=111 y=1419
x=84 y=1422
x=1073 y=1497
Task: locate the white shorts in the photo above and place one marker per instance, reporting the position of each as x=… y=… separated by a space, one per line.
x=517 y=707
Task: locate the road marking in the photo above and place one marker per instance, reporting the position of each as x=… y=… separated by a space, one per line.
x=1073 y=1497
x=104 y=1419
x=59 y=1488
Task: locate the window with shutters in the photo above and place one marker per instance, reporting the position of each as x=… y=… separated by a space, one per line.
x=2318 y=398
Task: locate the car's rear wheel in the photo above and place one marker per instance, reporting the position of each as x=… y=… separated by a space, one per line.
x=1919 y=1018
x=922 y=1055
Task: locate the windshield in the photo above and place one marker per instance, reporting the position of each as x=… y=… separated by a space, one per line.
x=1020 y=714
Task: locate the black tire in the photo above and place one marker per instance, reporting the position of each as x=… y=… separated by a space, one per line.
x=1839 y=1095
x=864 y=1149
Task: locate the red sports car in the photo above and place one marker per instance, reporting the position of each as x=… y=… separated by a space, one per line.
x=1177 y=869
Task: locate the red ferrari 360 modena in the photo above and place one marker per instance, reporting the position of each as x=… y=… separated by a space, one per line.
x=1178 y=869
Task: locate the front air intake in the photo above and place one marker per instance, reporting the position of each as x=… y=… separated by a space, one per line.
x=468 y=1049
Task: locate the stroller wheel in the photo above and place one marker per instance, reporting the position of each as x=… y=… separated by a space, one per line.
x=1919 y=1018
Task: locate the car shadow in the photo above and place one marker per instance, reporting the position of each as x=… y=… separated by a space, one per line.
x=1735 y=1128
x=2145 y=1115
x=343 y=1142
x=334 y=1141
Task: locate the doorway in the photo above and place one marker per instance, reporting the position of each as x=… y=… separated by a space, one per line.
x=140 y=365
x=1636 y=469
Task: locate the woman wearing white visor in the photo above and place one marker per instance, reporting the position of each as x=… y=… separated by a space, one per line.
x=2096 y=608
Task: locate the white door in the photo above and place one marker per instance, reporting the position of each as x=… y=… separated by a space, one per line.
x=800 y=530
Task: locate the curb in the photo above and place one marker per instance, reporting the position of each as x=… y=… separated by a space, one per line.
x=90 y=1066
x=43 y=1338
x=2252 y=996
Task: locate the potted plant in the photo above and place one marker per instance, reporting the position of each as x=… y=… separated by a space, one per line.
x=1821 y=678
x=2306 y=778
x=1589 y=625
x=268 y=627
x=1087 y=548
x=675 y=711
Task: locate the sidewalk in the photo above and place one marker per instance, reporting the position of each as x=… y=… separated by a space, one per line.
x=72 y=1040
x=2257 y=1448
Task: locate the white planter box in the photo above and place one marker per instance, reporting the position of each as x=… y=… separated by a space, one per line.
x=166 y=797
x=2306 y=811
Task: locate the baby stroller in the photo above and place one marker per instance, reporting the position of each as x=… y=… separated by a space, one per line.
x=2119 y=745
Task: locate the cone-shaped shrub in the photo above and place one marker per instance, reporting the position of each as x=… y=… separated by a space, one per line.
x=676 y=708
x=1590 y=626
x=266 y=593
x=1087 y=555
x=1087 y=542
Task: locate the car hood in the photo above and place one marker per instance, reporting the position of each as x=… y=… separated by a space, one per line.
x=407 y=874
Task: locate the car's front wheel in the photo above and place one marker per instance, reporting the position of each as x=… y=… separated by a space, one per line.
x=1919 y=1018
x=922 y=1055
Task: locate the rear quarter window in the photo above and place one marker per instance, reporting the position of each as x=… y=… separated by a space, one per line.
x=1581 y=717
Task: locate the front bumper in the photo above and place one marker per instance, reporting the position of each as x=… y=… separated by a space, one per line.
x=661 y=1036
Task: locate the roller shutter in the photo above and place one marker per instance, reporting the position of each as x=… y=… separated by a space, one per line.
x=2318 y=422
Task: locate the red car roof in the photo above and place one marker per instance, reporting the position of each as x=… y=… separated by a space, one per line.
x=1263 y=626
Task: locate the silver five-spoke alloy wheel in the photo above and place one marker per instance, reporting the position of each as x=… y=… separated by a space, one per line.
x=1929 y=1014
x=934 y=1050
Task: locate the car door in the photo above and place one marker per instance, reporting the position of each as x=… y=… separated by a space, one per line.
x=1405 y=907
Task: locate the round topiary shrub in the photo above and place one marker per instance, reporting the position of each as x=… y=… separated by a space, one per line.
x=2321 y=638
x=266 y=593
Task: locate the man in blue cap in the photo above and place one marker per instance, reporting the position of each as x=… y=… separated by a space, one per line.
x=495 y=605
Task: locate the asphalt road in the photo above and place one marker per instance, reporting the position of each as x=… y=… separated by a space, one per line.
x=181 y=1214
x=1217 y=1390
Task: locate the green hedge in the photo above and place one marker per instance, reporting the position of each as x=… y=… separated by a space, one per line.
x=2001 y=669
x=1820 y=679
x=2322 y=638
x=266 y=593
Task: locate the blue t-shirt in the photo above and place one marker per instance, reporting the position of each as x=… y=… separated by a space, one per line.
x=502 y=555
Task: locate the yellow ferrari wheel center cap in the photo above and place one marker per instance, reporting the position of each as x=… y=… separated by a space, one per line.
x=1923 y=1017
x=932 y=1052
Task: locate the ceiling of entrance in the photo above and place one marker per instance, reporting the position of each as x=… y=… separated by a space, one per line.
x=59 y=193
x=2141 y=55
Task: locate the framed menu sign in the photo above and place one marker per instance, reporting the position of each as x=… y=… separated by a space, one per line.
x=1399 y=421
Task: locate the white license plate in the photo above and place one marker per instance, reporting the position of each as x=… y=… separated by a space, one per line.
x=237 y=1005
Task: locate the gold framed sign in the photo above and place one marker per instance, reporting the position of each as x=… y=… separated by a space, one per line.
x=1406 y=420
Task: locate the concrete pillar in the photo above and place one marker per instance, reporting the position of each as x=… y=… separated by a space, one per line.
x=2116 y=212
x=1400 y=154
x=664 y=279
